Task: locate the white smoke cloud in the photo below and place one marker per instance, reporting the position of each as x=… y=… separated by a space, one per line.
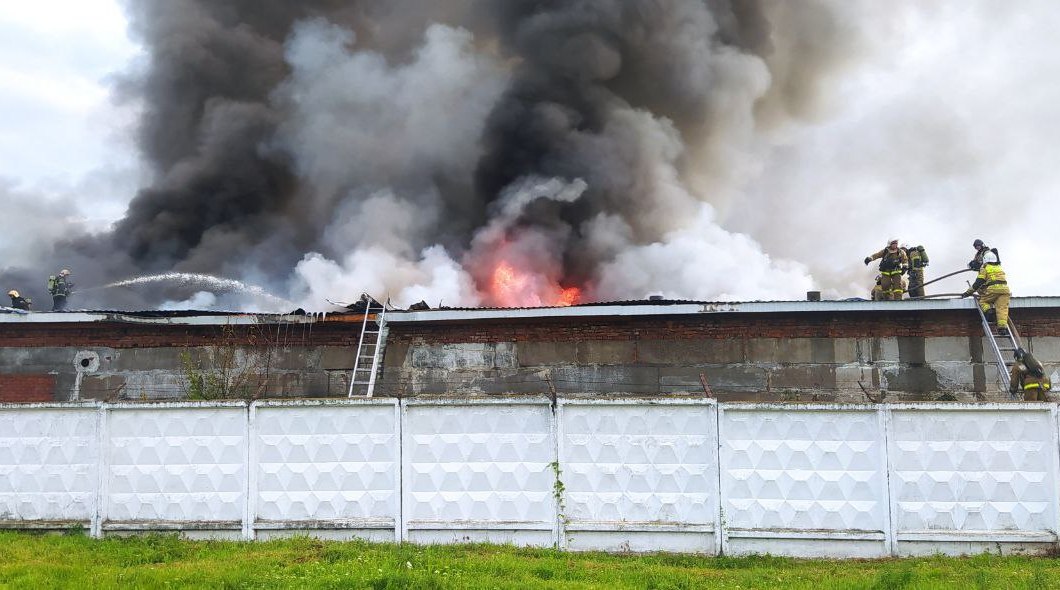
x=702 y=261
x=434 y=277
x=357 y=122
x=941 y=134
x=200 y=300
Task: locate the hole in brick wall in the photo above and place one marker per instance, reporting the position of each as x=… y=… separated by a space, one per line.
x=86 y=361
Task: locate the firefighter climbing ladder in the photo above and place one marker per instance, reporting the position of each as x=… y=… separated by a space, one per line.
x=369 y=347
x=1001 y=349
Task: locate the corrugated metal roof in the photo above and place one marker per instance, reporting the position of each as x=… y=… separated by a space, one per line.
x=447 y=314
x=655 y=308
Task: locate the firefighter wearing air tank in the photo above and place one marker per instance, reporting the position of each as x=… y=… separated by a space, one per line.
x=892 y=262
x=1028 y=375
x=60 y=287
x=992 y=287
x=918 y=259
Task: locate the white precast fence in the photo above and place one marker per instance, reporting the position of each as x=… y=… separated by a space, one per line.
x=640 y=475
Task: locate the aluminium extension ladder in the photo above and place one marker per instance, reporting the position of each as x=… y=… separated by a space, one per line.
x=1008 y=345
x=369 y=347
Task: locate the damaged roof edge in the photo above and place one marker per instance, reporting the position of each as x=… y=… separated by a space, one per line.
x=647 y=309
x=595 y=310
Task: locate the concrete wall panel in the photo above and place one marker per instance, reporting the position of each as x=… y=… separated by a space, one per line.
x=533 y=354
x=947 y=349
x=178 y=465
x=986 y=473
x=638 y=476
x=49 y=461
x=809 y=475
x=824 y=480
x=690 y=352
x=464 y=357
x=1046 y=348
x=326 y=467
x=479 y=472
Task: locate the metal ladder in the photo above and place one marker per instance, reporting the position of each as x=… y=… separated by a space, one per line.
x=1010 y=344
x=369 y=347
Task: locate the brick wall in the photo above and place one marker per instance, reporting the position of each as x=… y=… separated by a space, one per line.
x=125 y=335
x=26 y=388
x=754 y=355
x=1030 y=322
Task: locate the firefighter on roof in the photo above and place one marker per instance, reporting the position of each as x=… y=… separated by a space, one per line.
x=18 y=301
x=893 y=261
x=981 y=249
x=918 y=260
x=60 y=287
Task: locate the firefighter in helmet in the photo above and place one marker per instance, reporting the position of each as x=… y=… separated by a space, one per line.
x=1028 y=375
x=60 y=287
x=893 y=261
x=18 y=301
x=994 y=294
x=981 y=250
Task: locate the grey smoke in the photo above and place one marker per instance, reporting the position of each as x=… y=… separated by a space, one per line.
x=323 y=148
x=273 y=125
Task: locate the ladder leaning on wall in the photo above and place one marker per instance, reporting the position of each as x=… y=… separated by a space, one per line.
x=369 y=346
x=1009 y=344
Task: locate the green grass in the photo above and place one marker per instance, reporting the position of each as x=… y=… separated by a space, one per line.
x=75 y=561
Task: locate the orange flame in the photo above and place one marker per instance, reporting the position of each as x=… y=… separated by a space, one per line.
x=510 y=287
x=569 y=296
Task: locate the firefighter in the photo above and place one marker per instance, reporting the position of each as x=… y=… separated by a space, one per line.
x=892 y=263
x=1028 y=375
x=980 y=250
x=60 y=287
x=918 y=260
x=993 y=290
x=877 y=289
x=18 y=301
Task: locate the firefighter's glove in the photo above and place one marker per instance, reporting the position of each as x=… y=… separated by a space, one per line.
x=967 y=293
x=867 y=260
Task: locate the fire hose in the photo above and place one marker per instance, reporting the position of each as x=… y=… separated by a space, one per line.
x=947 y=276
x=938 y=295
x=939 y=279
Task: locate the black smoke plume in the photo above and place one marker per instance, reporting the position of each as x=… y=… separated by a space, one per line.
x=291 y=142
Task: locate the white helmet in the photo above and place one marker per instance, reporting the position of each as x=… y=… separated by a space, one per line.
x=990 y=258
x=12 y=293
x=64 y=273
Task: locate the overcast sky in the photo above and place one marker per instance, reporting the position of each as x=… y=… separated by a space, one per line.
x=944 y=132
x=60 y=130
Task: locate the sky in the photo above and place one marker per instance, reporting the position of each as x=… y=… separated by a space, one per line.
x=942 y=129
x=60 y=129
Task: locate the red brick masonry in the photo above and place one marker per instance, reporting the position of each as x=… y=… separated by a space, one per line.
x=26 y=388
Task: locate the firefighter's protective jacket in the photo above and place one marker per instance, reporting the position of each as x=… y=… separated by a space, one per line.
x=991 y=279
x=891 y=261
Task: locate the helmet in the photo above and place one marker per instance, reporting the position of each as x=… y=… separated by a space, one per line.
x=894 y=241
x=978 y=244
x=12 y=293
x=64 y=273
x=990 y=258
